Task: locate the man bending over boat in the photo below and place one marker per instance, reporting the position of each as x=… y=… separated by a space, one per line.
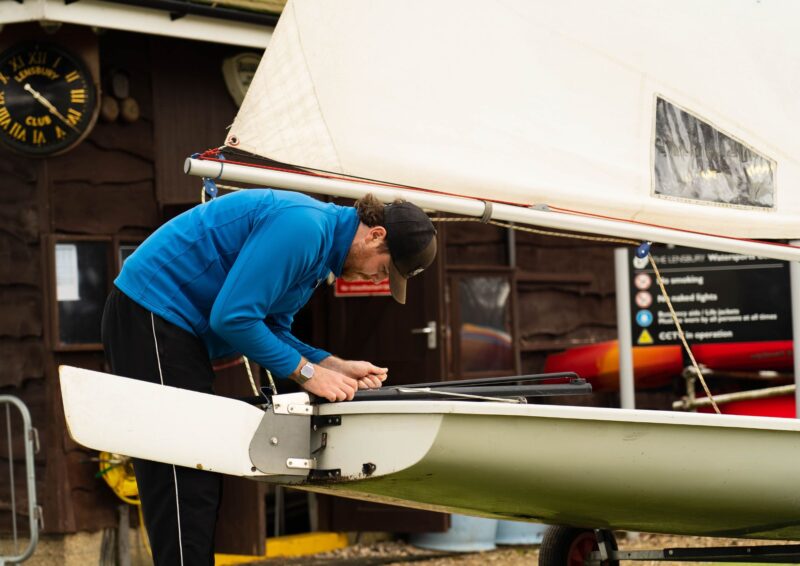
x=228 y=277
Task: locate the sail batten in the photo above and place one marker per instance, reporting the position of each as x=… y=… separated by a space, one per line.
x=676 y=114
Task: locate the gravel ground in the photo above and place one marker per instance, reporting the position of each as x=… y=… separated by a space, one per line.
x=397 y=553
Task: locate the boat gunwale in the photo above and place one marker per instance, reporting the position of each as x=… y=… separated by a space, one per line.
x=569 y=412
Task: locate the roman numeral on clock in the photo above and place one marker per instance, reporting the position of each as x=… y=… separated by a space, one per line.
x=18 y=131
x=17 y=62
x=37 y=58
x=73 y=116
x=77 y=95
x=5 y=118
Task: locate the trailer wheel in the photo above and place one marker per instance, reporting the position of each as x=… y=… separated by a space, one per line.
x=571 y=546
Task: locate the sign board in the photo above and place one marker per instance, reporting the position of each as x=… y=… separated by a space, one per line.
x=361 y=288
x=238 y=72
x=718 y=297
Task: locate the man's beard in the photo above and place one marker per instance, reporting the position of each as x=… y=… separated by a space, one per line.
x=349 y=269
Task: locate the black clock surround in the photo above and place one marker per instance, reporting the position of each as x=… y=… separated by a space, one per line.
x=48 y=99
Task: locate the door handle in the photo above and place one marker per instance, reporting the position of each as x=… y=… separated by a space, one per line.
x=430 y=330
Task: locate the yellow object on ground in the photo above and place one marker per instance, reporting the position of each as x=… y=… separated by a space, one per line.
x=288 y=546
x=117 y=471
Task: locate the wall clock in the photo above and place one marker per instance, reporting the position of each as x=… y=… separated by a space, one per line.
x=48 y=99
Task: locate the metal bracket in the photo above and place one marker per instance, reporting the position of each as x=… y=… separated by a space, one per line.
x=756 y=554
x=300 y=409
x=602 y=543
x=301 y=463
x=34 y=437
x=281 y=446
x=38 y=514
x=323 y=443
x=289 y=402
x=321 y=421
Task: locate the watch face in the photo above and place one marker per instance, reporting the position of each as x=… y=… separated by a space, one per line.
x=307 y=371
x=47 y=99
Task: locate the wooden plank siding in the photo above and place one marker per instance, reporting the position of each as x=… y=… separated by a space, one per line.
x=20 y=274
x=107 y=187
x=565 y=286
x=104 y=187
x=565 y=296
x=193 y=113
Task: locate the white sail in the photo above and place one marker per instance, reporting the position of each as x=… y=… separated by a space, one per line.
x=674 y=113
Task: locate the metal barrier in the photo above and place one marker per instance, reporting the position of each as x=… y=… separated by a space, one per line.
x=31 y=439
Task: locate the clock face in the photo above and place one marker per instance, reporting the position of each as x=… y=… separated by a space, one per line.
x=47 y=99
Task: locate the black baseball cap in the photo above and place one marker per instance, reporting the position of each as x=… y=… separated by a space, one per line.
x=411 y=238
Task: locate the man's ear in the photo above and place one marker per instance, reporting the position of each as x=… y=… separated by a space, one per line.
x=376 y=233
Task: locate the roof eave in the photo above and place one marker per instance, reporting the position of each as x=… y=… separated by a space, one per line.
x=170 y=18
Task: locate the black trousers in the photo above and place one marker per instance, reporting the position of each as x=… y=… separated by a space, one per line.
x=179 y=504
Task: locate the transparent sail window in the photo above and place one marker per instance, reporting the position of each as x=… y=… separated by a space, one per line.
x=693 y=160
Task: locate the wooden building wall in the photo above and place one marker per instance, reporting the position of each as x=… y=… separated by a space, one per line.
x=105 y=186
x=565 y=296
x=22 y=359
x=120 y=183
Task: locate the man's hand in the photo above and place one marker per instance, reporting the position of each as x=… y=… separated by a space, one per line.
x=331 y=385
x=367 y=375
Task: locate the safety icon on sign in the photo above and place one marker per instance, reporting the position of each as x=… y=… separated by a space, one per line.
x=643 y=299
x=645 y=338
x=642 y=281
x=644 y=318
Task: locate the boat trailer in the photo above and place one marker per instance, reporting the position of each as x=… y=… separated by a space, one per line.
x=568 y=546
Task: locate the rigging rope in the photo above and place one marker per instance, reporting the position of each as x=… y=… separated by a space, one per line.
x=246 y=363
x=513 y=226
x=682 y=337
x=657 y=273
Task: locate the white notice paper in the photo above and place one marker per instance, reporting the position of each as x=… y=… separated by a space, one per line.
x=67 y=272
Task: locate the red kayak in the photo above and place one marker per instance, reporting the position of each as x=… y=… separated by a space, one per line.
x=783 y=406
x=742 y=356
x=655 y=366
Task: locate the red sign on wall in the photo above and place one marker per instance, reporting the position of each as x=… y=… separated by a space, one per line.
x=362 y=288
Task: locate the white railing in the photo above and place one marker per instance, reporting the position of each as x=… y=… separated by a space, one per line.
x=31 y=441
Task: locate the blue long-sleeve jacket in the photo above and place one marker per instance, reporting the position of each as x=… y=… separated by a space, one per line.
x=235 y=270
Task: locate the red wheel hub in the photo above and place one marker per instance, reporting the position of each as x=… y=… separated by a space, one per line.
x=583 y=545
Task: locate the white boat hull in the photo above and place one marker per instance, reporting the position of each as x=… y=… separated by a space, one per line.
x=652 y=471
x=636 y=470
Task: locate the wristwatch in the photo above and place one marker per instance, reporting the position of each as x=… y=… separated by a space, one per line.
x=306 y=372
